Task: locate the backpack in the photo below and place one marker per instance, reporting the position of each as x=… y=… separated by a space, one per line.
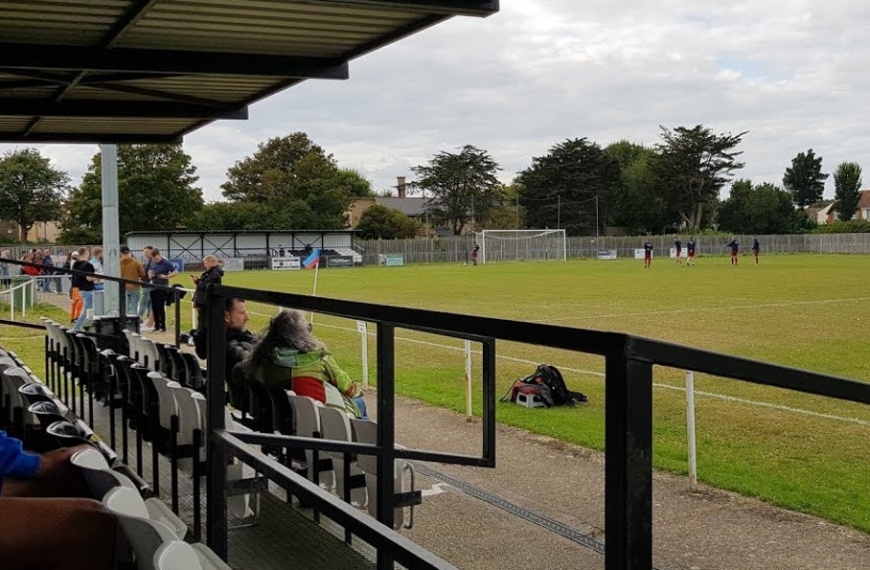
x=545 y=385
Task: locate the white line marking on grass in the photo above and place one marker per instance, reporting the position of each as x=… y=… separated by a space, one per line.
x=703 y=393
x=698 y=309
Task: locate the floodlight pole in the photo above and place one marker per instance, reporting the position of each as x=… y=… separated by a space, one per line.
x=558 y=211
x=111 y=229
x=597 y=225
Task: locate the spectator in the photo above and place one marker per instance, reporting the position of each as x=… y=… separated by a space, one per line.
x=48 y=269
x=57 y=533
x=131 y=270
x=5 y=269
x=145 y=311
x=75 y=296
x=85 y=285
x=213 y=274
x=288 y=355
x=97 y=262
x=238 y=346
x=160 y=271
x=29 y=269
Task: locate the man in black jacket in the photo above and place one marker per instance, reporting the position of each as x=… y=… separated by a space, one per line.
x=238 y=345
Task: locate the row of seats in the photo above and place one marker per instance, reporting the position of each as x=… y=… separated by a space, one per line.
x=154 y=535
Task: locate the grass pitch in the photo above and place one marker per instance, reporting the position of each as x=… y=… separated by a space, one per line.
x=798 y=451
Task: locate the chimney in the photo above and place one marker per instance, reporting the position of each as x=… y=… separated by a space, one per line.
x=401 y=187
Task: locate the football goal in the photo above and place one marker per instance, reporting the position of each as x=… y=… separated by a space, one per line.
x=522 y=245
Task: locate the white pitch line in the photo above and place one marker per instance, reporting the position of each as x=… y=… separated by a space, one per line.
x=700 y=309
x=703 y=393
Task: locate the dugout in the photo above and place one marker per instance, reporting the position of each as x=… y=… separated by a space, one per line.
x=253 y=248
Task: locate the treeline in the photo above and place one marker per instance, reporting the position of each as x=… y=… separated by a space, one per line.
x=292 y=183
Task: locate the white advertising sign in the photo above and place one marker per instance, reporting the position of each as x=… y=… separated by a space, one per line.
x=286 y=263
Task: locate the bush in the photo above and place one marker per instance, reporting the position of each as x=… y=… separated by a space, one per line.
x=850 y=227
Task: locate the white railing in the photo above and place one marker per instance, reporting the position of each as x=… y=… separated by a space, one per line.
x=26 y=300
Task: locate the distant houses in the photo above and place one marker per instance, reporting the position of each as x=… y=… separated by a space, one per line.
x=825 y=212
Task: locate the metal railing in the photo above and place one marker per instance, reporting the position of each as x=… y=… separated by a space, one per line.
x=629 y=362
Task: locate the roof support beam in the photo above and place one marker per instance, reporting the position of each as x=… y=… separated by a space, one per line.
x=88 y=59
x=89 y=138
x=449 y=7
x=119 y=109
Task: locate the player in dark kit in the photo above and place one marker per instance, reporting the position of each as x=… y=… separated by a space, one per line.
x=690 y=251
x=474 y=253
x=756 y=248
x=647 y=254
x=735 y=249
x=678 y=245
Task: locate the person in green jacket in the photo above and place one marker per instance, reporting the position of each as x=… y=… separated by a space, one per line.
x=289 y=356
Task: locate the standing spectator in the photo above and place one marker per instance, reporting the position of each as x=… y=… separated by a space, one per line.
x=160 y=271
x=145 y=311
x=29 y=269
x=213 y=274
x=5 y=269
x=678 y=247
x=735 y=249
x=131 y=270
x=647 y=253
x=85 y=285
x=756 y=249
x=75 y=298
x=48 y=264
x=97 y=262
x=690 y=251
x=474 y=253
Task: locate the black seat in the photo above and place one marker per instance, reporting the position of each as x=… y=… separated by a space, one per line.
x=47 y=413
x=36 y=392
x=68 y=435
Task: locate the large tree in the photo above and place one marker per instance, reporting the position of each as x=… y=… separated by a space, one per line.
x=156 y=191
x=805 y=179
x=31 y=190
x=560 y=189
x=760 y=209
x=695 y=164
x=296 y=175
x=381 y=222
x=460 y=185
x=847 y=189
x=639 y=205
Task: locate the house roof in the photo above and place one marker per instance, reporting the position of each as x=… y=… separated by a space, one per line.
x=864 y=200
x=154 y=70
x=408 y=206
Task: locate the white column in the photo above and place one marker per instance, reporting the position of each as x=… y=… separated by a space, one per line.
x=111 y=229
x=690 y=428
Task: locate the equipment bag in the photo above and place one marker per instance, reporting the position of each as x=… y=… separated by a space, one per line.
x=544 y=385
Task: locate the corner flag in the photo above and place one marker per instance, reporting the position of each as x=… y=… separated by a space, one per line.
x=312 y=260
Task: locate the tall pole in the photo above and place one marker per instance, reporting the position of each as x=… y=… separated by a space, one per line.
x=111 y=229
x=518 y=210
x=597 y=225
x=558 y=212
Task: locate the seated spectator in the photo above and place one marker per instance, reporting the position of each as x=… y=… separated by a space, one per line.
x=288 y=355
x=44 y=524
x=239 y=344
x=29 y=269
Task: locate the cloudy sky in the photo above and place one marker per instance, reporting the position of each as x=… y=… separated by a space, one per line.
x=792 y=72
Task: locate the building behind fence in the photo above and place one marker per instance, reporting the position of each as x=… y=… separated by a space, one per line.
x=457 y=249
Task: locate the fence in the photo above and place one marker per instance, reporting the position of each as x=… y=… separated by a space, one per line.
x=456 y=249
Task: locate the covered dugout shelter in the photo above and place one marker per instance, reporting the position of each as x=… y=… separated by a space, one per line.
x=152 y=71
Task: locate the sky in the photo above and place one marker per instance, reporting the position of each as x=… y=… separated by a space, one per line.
x=791 y=72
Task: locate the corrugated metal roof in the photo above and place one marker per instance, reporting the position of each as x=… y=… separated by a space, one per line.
x=153 y=70
x=240 y=232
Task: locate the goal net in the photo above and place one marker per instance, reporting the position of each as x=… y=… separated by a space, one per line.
x=522 y=245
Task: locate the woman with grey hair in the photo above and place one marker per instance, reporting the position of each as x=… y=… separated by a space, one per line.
x=289 y=356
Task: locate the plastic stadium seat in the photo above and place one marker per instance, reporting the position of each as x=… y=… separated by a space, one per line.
x=47 y=413
x=178 y=555
x=336 y=426
x=144 y=535
x=305 y=411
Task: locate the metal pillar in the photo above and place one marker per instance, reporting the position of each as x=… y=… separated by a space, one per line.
x=111 y=230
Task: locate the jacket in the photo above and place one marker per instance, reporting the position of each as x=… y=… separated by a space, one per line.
x=14 y=461
x=314 y=374
x=212 y=276
x=132 y=270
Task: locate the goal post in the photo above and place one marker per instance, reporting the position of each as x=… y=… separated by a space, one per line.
x=522 y=245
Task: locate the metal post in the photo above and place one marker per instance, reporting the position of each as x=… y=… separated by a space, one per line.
x=177 y=294
x=597 y=225
x=216 y=503
x=364 y=340
x=558 y=212
x=690 y=428
x=488 y=378
x=386 y=432
x=628 y=463
x=111 y=231
x=468 y=413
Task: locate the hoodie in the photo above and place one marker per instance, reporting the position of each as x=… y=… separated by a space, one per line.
x=132 y=270
x=14 y=461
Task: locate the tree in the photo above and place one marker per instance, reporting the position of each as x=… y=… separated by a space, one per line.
x=847 y=189
x=298 y=176
x=30 y=189
x=695 y=164
x=155 y=192
x=761 y=209
x=358 y=185
x=559 y=189
x=381 y=222
x=639 y=204
x=805 y=179
x=460 y=186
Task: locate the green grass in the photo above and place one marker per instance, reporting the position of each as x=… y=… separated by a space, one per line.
x=803 y=311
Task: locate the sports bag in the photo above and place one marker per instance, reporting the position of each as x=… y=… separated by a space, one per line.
x=547 y=385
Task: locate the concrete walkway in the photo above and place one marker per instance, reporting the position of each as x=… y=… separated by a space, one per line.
x=704 y=529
